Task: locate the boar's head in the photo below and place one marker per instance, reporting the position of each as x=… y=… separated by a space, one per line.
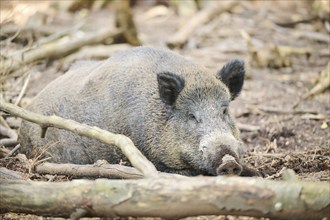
x=200 y=135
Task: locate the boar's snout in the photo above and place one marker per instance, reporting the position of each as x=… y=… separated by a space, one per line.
x=221 y=153
x=229 y=166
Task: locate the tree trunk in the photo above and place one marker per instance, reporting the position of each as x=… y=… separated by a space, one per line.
x=168 y=197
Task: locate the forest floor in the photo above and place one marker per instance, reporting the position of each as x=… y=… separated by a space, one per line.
x=292 y=131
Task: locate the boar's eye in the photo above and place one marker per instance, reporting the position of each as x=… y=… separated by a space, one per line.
x=225 y=111
x=192 y=117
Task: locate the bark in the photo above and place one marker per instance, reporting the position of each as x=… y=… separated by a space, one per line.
x=204 y=16
x=168 y=198
x=137 y=159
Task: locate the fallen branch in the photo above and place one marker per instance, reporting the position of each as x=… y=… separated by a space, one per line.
x=96 y=170
x=57 y=48
x=155 y=197
x=136 y=158
x=246 y=127
x=100 y=169
x=18 y=146
x=213 y=9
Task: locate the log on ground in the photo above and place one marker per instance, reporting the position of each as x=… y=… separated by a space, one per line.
x=168 y=198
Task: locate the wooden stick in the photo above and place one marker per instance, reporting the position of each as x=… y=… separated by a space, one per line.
x=13 y=151
x=23 y=90
x=246 y=127
x=97 y=170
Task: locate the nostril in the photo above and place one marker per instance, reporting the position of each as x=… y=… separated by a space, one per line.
x=224 y=171
x=237 y=170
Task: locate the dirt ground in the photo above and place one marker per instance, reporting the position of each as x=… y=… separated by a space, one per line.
x=289 y=131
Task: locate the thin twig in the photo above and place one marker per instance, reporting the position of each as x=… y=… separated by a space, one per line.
x=246 y=127
x=10 y=39
x=59 y=34
x=23 y=90
x=276 y=175
x=13 y=151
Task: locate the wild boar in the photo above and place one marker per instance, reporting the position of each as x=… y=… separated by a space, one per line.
x=175 y=111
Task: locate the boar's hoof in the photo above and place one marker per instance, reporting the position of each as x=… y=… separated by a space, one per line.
x=229 y=168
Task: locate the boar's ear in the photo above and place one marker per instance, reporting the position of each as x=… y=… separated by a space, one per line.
x=169 y=85
x=232 y=75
